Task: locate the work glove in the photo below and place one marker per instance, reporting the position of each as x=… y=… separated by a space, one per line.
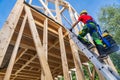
x=70 y=29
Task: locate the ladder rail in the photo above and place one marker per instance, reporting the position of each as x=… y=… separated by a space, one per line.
x=101 y=67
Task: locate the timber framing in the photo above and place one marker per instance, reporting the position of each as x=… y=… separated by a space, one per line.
x=36 y=46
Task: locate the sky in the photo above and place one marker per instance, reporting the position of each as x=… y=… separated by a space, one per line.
x=92 y=6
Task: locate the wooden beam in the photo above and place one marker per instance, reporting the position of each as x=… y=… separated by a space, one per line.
x=73 y=18
x=62 y=3
x=66 y=20
x=16 y=73
x=45 y=44
x=61 y=11
x=55 y=69
x=77 y=62
x=41 y=8
x=63 y=55
x=58 y=12
x=21 y=53
x=14 y=53
x=41 y=1
x=51 y=30
x=30 y=1
x=38 y=45
x=45 y=37
x=9 y=27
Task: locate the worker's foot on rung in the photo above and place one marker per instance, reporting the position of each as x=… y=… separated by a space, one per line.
x=104 y=56
x=90 y=46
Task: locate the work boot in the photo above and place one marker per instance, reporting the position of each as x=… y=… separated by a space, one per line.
x=103 y=56
x=89 y=45
x=101 y=51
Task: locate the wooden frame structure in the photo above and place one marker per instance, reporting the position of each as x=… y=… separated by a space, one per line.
x=35 y=45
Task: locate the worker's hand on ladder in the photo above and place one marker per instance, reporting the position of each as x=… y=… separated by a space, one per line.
x=70 y=29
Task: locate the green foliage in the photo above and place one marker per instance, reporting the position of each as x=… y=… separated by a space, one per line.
x=62 y=78
x=73 y=75
x=86 y=73
x=109 y=18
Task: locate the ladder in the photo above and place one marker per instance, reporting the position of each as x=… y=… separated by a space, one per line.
x=105 y=69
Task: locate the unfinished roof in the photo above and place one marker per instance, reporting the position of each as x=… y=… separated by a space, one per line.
x=27 y=65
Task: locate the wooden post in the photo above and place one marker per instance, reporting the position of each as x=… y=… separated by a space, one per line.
x=58 y=12
x=45 y=38
x=9 y=27
x=77 y=62
x=63 y=56
x=38 y=45
x=14 y=53
x=45 y=44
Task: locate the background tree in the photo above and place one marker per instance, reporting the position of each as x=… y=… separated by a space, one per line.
x=109 y=18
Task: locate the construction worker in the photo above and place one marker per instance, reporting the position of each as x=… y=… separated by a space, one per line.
x=89 y=27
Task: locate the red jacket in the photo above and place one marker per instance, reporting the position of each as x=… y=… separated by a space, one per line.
x=84 y=18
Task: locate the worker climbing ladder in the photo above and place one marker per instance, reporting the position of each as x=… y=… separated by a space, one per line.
x=105 y=69
x=51 y=24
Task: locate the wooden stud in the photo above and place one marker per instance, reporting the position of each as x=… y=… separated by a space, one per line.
x=66 y=20
x=14 y=53
x=38 y=45
x=73 y=19
x=46 y=3
x=30 y=1
x=77 y=62
x=17 y=58
x=47 y=9
x=24 y=66
x=45 y=37
x=58 y=12
x=45 y=44
x=63 y=56
x=9 y=27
